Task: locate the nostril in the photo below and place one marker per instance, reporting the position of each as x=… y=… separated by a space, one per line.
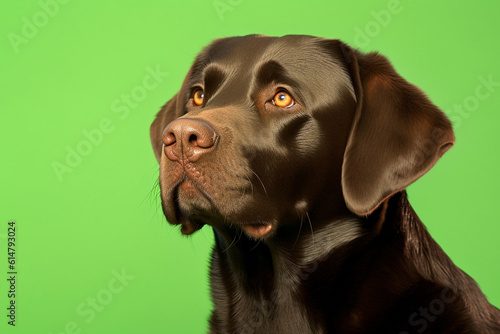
x=193 y=140
x=203 y=140
x=169 y=139
x=188 y=139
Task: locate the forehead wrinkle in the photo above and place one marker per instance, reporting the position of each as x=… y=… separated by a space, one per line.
x=238 y=82
x=215 y=73
x=232 y=89
x=310 y=66
x=271 y=72
x=242 y=51
x=319 y=75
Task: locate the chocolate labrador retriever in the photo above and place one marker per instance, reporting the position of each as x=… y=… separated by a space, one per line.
x=297 y=151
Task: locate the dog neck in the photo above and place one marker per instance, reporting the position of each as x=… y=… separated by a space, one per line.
x=272 y=271
x=298 y=246
x=340 y=256
x=269 y=274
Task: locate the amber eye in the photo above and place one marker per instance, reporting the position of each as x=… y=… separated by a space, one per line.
x=283 y=100
x=198 y=96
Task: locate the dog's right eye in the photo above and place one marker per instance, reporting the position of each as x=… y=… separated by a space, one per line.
x=198 y=96
x=283 y=100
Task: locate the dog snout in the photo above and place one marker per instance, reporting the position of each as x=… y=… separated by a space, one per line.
x=189 y=139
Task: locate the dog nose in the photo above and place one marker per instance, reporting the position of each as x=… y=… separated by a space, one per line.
x=188 y=138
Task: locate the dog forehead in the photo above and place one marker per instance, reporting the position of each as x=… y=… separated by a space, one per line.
x=312 y=62
x=252 y=50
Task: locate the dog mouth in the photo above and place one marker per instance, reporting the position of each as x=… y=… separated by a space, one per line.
x=194 y=219
x=257 y=230
x=190 y=217
x=192 y=208
x=190 y=222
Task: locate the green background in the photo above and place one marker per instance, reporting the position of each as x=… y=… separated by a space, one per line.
x=70 y=74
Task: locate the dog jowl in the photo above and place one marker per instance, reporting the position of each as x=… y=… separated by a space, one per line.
x=297 y=151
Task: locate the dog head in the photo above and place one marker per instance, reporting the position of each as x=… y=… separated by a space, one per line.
x=267 y=130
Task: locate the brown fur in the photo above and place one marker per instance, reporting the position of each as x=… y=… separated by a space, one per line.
x=313 y=229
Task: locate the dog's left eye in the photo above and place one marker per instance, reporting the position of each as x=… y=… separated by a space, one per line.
x=198 y=97
x=283 y=100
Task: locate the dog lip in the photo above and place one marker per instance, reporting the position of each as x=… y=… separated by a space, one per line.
x=257 y=230
x=190 y=223
x=191 y=220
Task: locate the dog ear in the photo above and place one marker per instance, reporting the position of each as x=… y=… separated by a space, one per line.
x=397 y=134
x=163 y=117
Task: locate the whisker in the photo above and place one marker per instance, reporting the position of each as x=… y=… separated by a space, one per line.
x=232 y=243
x=153 y=192
x=243 y=193
x=263 y=186
x=300 y=230
x=310 y=224
x=258 y=243
x=239 y=235
x=251 y=184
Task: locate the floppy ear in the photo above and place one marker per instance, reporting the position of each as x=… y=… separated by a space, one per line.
x=163 y=117
x=396 y=137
